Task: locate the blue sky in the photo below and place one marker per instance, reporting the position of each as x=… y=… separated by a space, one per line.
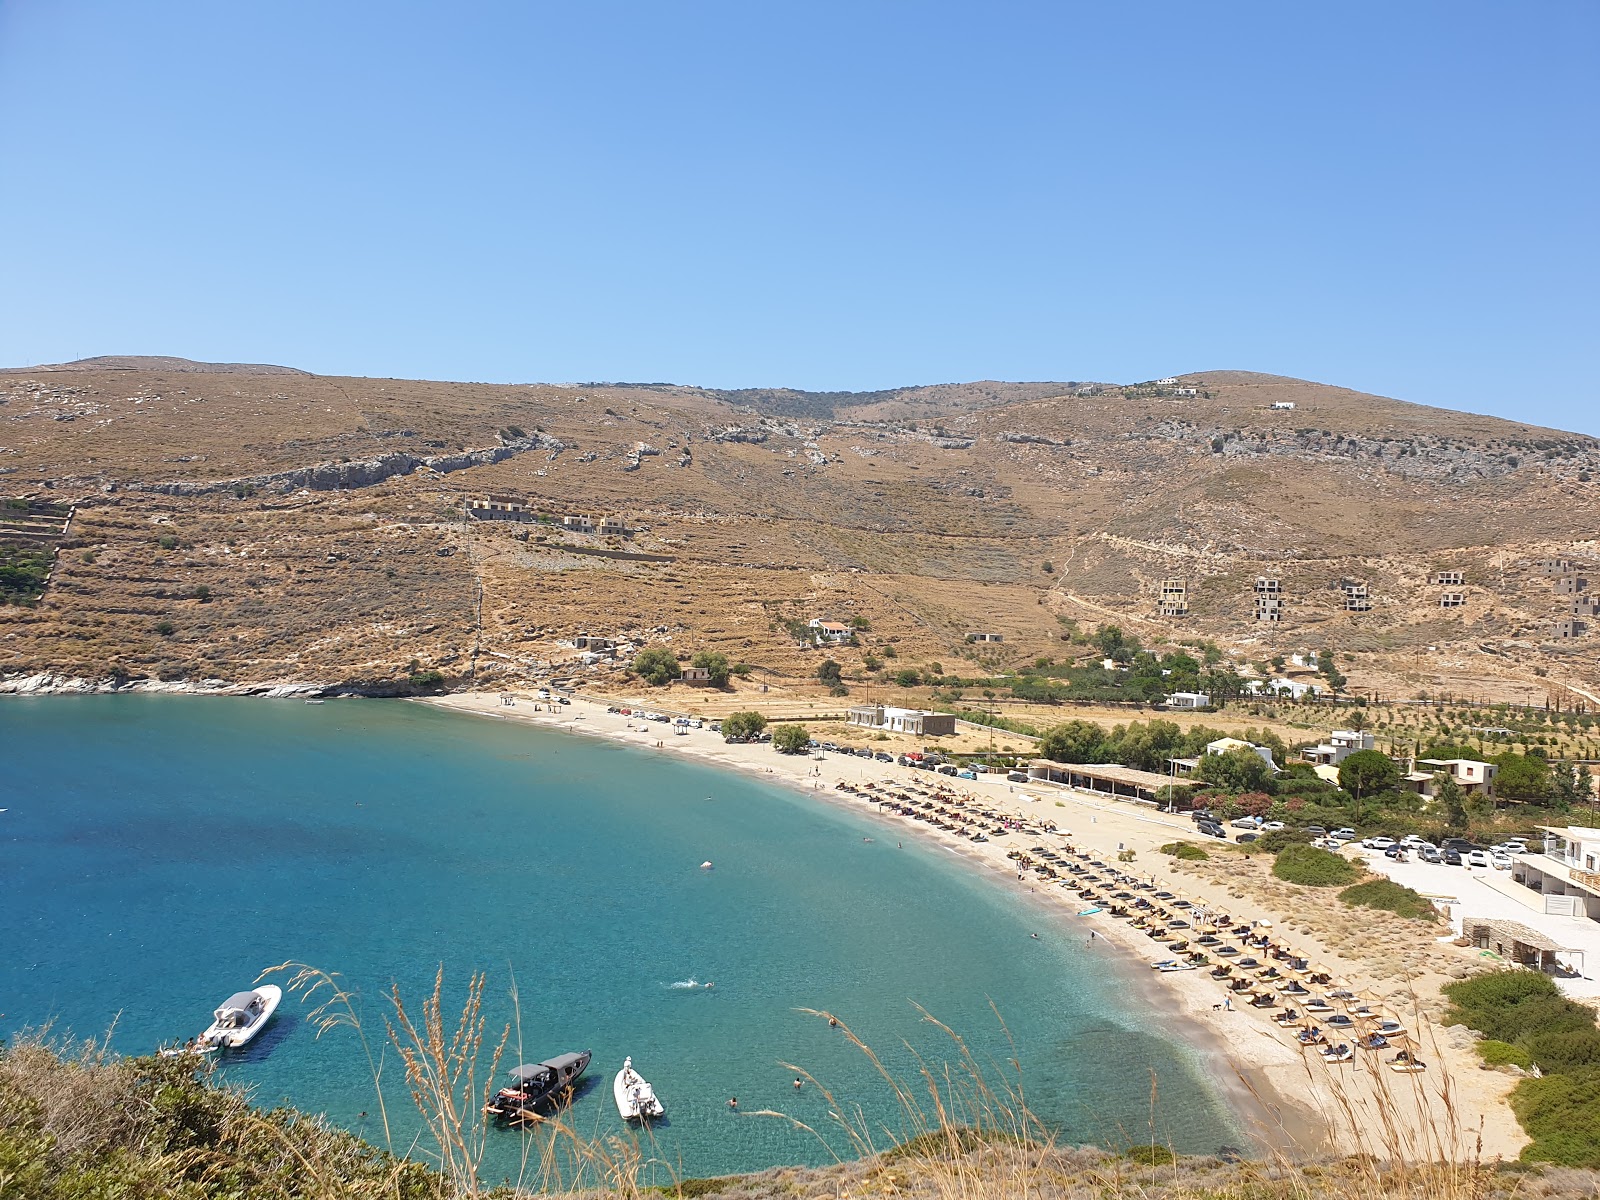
x=1398 y=197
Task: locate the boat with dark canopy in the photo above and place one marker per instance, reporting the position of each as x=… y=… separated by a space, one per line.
x=536 y=1085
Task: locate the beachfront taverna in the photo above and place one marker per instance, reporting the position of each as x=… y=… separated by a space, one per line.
x=902 y=720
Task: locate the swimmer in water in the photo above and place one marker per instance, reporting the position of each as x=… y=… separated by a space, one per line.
x=709 y=984
x=1034 y=936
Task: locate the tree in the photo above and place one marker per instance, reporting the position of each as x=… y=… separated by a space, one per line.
x=1073 y=742
x=743 y=724
x=1523 y=777
x=1366 y=773
x=908 y=677
x=830 y=673
x=1480 y=806
x=1571 y=784
x=715 y=662
x=1108 y=640
x=656 y=665
x=790 y=739
x=1451 y=800
x=1238 y=770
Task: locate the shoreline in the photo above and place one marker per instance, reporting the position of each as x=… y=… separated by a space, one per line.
x=1256 y=1075
x=1285 y=1100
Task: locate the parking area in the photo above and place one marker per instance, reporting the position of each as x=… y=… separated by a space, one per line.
x=1491 y=894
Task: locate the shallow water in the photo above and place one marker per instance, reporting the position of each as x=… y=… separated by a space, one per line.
x=159 y=852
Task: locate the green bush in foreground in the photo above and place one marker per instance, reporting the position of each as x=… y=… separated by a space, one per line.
x=1389 y=896
x=1503 y=1054
x=1561 y=1113
x=1530 y=1023
x=1153 y=1155
x=1313 y=867
x=1187 y=851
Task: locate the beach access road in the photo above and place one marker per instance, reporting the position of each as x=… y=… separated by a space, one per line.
x=1347 y=1106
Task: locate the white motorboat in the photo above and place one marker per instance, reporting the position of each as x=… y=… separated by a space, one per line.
x=636 y=1099
x=240 y=1017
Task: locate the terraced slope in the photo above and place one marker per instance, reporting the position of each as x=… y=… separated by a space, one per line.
x=254 y=523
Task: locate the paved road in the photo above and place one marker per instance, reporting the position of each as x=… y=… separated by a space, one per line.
x=1483 y=892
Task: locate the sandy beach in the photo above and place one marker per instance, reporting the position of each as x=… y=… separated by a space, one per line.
x=1297 y=1101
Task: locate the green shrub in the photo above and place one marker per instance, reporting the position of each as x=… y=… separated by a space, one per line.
x=1153 y=1155
x=1568 y=1050
x=1187 y=851
x=167 y=541
x=1502 y=1054
x=426 y=680
x=1389 y=896
x=1313 y=867
x=1279 y=839
x=1561 y=1113
x=1511 y=1004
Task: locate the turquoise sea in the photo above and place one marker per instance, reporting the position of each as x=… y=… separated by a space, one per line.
x=158 y=852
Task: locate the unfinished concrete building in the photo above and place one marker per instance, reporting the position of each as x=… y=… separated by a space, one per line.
x=1453 y=600
x=1551 y=567
x=1569 y=628
x=1174 y=600
x=1357 y=597
x=1266 y=586
x=1585 y=606
x=1570 y=585
x=1450 y=578
x=1269 y=608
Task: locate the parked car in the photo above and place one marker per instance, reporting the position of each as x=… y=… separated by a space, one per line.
x=1379 y=843
x=1429 y=854
x=1316 y=829
x=1500 y=862
x=1412 y=839
x=884 y=756
x=1273 y=827
x=1248 y=837
x=1397 y=852
x=1477 y=858
x=1247 y=823
x=1344 y=835
x=966 y=775
x=562 y=700
x=1450 y=858
x=1212 y=829
x=1017 y=777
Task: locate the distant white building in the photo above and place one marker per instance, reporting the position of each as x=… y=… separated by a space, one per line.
x=1284 y=404
x=1341 y=744
x=1293 y=688
x=902 y=720
x=1189 y=700
x=831 y=632
x=1223 y=745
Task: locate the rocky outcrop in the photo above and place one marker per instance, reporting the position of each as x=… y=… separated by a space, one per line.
x=345 y=476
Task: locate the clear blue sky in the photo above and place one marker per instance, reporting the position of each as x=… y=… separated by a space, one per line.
x=1400 y=197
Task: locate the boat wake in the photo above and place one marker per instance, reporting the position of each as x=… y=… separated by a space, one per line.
x=684 y=985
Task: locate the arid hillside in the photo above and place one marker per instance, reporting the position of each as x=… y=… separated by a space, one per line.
x=256 y=524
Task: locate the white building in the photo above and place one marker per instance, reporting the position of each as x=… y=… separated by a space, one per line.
x=1341 y=744
x=1189 y=700
x=1568 y=872
x=902 y=720
x=831 y=632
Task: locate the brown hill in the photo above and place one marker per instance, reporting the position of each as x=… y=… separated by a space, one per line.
x=261 y=523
